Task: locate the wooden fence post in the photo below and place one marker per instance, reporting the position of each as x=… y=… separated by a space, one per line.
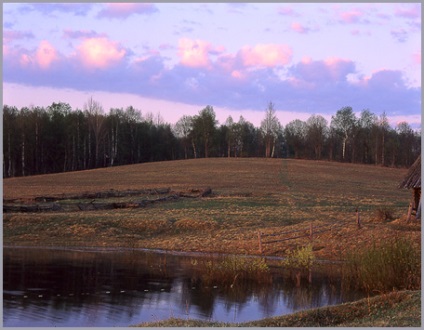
x=311 y=231
x=260 y=242
x=408 y=217
x=358 y=219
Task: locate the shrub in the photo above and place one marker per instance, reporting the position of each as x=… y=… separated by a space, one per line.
x=384 y=214
x=394 y=265
x=301 y=258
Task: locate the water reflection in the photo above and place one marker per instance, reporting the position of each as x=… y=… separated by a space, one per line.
x=47 y=287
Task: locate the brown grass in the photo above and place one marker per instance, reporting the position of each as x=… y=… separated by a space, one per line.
x=249 y=195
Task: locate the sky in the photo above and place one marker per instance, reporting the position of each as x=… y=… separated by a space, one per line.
x=174 y=59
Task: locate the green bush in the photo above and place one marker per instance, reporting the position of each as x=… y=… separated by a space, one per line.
x=301 y=258
x=394 y=265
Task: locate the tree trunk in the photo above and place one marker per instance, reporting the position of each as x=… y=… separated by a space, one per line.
x=89 y=149
x=194 y=148
x=112 y=147
x=382 y=151
x=37 y=169
x=74 y=153
x=23 y=154
x=206 y=148
x=78 y=145
x=9 y=170
x=376 y=151
x=344 y=147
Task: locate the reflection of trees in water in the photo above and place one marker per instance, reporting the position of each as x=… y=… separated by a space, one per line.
x=204 y=296
x=315 y=290
x=88 y=280
x=132 y=280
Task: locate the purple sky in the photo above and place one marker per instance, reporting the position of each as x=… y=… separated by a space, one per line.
x=175 y=59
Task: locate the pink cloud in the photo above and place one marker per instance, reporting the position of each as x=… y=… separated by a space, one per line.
x=338 y=67
x=288 y=11
x=11 y=35
x=357 y=32
x=227 y=62
x=295 y=26
x=195 y=53
x=266 y=55
x=25 y=60
x=46 y=54
x=383 y=79
x=417 y=58
x=237 y=74
x=165 y=46
x=77 y=34
x=329 y=70
x=43 y=57
x=352 y=16
x=411 y=11
x=100 y=52
x=124 y=10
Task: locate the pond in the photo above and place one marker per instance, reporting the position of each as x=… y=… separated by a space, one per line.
x=46 y=287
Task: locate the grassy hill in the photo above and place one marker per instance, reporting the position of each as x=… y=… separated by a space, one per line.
x=271 y=196
x=248 y=195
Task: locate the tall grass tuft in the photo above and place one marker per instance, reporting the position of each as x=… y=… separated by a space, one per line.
x=394 y=265
x=384 y=214
x=301 y=258
x=232 y=270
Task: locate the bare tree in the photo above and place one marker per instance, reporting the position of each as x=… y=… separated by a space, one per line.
x=204 y=127
x=96 y=119
x=316 y=132
x=182 y=129
x=270 y=128
x=295 y=135
x=384 y=127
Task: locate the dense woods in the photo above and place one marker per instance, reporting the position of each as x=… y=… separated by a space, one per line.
x=58 y=138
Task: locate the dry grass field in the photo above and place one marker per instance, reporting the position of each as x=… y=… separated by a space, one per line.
x=248 y=196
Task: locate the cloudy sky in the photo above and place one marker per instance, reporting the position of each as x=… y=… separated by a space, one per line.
x=175 y=59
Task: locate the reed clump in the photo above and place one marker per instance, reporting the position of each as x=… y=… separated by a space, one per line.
x=301 y=258
x=392 y=265
x=232 y=270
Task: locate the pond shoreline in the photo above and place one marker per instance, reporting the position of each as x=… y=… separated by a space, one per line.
x=160 y=251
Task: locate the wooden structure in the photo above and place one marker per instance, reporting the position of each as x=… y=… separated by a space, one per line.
x=412 y=181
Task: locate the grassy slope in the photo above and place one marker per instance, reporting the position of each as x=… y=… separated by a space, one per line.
x=224 y=175
x=270 y=195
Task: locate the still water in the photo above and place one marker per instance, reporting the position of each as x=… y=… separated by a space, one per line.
x=106 y=288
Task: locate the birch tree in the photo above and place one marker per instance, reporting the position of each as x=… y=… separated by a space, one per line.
x=270 y=128
x=344 y=122
x=96 y=120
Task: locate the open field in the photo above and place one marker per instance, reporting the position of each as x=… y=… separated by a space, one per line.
x=248 y=195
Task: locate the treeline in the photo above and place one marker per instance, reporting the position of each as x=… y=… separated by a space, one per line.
x=58 y=138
